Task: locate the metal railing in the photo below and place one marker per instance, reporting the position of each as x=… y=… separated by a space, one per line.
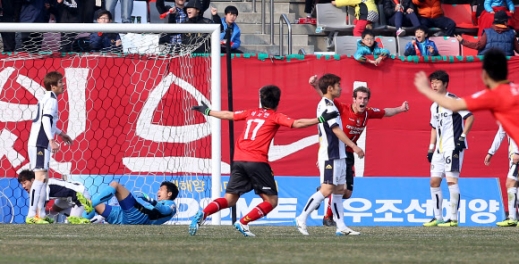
x=284 y=18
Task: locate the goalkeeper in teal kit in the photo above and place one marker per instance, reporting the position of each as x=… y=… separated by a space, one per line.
x=135 y=210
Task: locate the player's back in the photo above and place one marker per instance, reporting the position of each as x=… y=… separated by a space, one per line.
x=260 y=128
x=507 y=112
x=330 y=147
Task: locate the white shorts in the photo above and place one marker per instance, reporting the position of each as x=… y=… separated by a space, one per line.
x=447 y=163
x=67 y=203
x=333 y=171
x=514 y=169
x=39 y=158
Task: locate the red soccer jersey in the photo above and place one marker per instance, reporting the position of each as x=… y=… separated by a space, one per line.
x=262 y=125
x=354 y=123
x=503 y=102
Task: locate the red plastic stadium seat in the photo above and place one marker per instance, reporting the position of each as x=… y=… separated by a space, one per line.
x=466 y=51
x=515 y=18
x=461 y=14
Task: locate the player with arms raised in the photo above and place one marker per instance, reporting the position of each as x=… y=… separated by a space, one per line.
x=355 y=118
x=250 y=169
x=42 y=143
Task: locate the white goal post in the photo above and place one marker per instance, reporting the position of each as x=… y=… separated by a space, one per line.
x=215 y=76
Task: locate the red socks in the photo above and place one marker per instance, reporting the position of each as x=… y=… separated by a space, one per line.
x=329 y=213
x=258 y=212
x=215 y=206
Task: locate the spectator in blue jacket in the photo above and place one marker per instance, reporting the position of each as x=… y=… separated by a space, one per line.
x=228 y=22
x=105 y=42
x=367 y=47
x=421 y=45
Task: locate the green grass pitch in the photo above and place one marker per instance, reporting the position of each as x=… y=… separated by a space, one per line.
x=61 y=243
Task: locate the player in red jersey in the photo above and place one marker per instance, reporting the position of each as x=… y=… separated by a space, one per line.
x=355 y=117
x=250 y=169
x=501 y=97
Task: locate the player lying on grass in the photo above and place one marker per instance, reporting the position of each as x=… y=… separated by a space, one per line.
x=250 y=168
x=138 y=210
x=70 y=198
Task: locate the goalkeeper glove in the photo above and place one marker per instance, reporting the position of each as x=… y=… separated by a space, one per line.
x=204 y=109
x=325 y=116
x=460 y=144
x=429 y=155
x=148 y=199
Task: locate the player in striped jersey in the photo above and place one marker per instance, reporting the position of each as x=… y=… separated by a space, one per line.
x=447 y=144
x=355 y=117
x=70 y=198
x=135 y=210
x=42 y=143
x=511 y=178
x=250 y=168
x=331 y=159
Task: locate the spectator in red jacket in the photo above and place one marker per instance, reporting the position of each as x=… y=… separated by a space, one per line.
x=431 y=15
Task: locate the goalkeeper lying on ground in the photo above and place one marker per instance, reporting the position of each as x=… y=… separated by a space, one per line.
x=138 y=210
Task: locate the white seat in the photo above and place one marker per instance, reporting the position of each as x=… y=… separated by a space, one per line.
x=331 y=18
x=447 y=46
x=346 y=45
x=402 y=42
x=139 y=9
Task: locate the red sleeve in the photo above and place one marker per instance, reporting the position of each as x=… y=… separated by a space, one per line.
x=376 y=113
x=343 y=108
x=241 y=115
x=284 y=120
x=482 y=100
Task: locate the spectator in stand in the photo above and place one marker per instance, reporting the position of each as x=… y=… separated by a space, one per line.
x=401 y=13
x=421 y=45
x=67 y=11
x=431 y=15
x=228 y=22
x=33 y=12
x=105 y=42
x=486 y=18
x=367 y=47
x=176 y=15
x=193 y=8
x=366 y=13
x=126 y=9
x=10 y=13
x=499 y=36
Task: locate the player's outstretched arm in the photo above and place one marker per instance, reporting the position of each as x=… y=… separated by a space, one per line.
x=342 y=137
x=422 y=85
x=66 y=138
x=396 y=110
x=306 y=122
x=204 y=109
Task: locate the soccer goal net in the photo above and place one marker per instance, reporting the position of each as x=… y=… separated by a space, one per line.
x=128 y=93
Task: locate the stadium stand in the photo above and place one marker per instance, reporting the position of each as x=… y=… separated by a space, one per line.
x=466 y=51
x=346 y=45
x=447 y=46
x=464 y=17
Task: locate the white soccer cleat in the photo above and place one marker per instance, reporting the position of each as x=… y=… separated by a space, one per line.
x=244 y=229
x=346 y=232
x=301 y=227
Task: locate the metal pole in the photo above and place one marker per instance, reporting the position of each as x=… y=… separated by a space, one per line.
x=263 y=8
x=271 y=22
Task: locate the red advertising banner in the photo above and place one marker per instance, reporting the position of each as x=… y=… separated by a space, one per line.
x=113 y=104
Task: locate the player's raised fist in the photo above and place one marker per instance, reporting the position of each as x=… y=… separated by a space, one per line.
x=405 y=106
x=313 y=80
x=204 y=109
x=325 y=116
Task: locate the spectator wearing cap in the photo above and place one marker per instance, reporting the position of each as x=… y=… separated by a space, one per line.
x=193 y=10
x=491 y=7
x=229 y=24
x=105 y=42
x=499 y=36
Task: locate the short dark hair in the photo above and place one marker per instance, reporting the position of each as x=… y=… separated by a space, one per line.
x=270 y=96
x=367 y=32
x=101 y=12
x=25 y=175
x=495 y=64
x=362 y=89
x=51 y=79
x=231 y=9
x=439 y=75
x=423 y=28
x=326 y=80
x=171 y=188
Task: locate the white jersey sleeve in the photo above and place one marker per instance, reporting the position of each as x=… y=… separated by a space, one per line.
x=500 y=135
x=43 y=127
x=433 y=121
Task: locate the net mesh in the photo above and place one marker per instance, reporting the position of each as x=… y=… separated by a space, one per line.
x=126 y=105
